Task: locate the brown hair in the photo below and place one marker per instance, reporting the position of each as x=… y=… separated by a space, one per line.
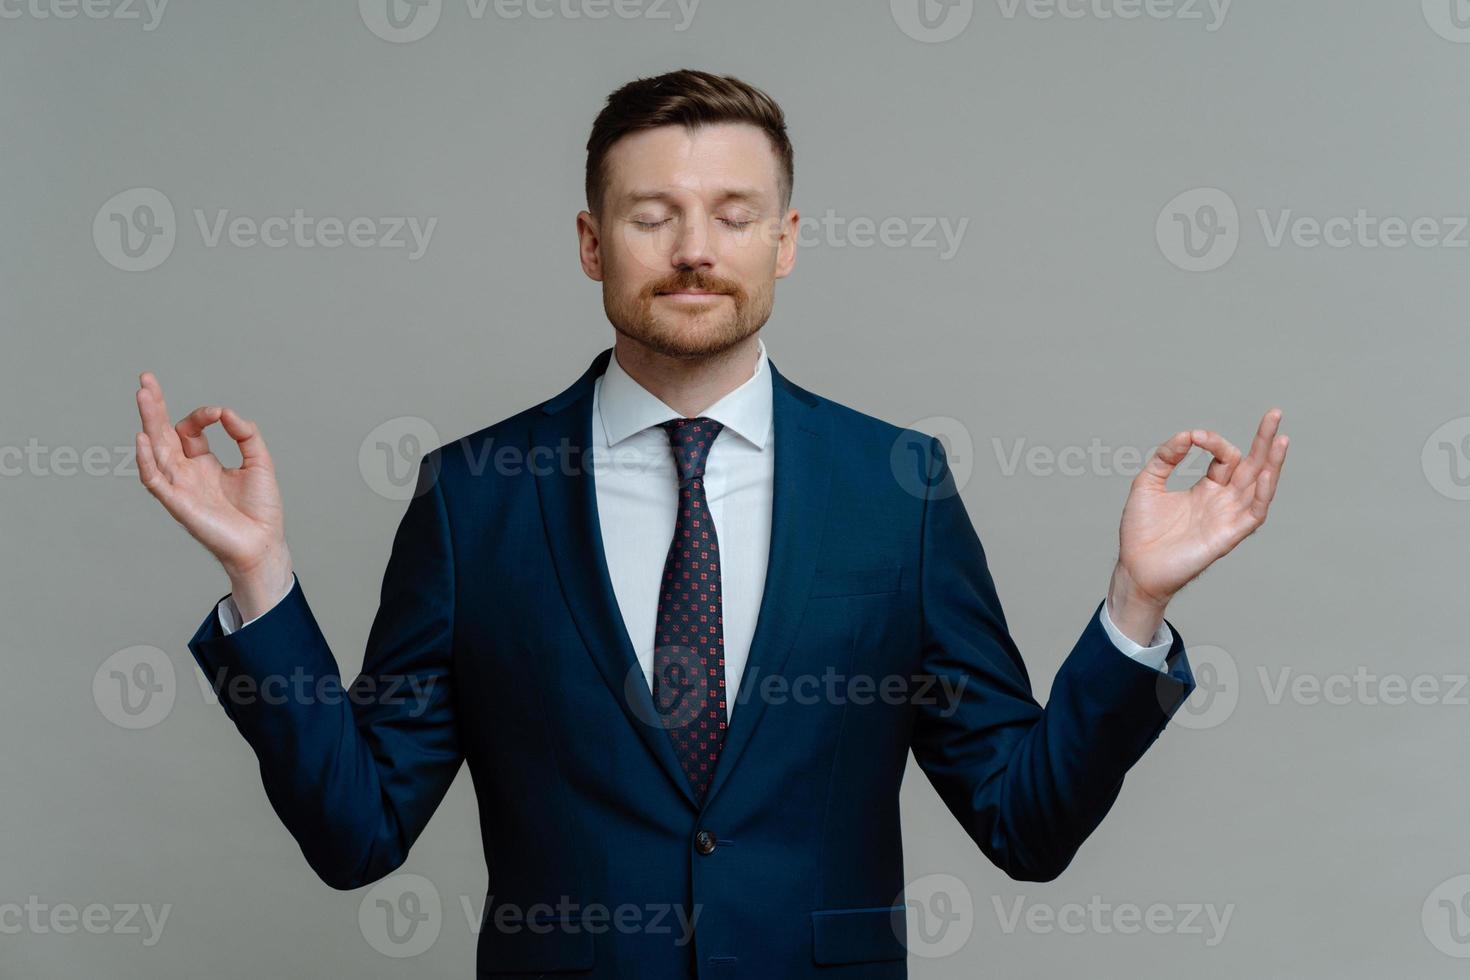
x=685 y=98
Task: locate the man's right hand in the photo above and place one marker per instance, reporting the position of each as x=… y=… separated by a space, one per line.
x=235 y=513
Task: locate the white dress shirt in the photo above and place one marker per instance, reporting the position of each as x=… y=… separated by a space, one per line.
x=637 y=493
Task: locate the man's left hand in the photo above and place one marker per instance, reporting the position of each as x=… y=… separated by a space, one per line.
x=1167 y=537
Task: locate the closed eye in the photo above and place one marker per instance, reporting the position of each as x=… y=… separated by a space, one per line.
x=728 y=222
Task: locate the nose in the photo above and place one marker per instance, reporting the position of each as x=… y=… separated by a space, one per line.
x=692 y=246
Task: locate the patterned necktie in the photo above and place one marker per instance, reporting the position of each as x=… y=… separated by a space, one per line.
x=689 y=637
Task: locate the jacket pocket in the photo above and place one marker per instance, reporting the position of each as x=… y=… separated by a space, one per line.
x=858 y=935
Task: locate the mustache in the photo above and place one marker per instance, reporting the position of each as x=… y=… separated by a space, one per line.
x=695 y=280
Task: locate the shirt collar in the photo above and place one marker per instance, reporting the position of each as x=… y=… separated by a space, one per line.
x=627 y=407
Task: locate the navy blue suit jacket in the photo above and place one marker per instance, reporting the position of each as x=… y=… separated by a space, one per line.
x=497 y=603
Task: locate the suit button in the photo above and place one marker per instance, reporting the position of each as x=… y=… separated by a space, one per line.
x=704 y=842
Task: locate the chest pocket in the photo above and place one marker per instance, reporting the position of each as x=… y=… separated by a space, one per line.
x=877 y=580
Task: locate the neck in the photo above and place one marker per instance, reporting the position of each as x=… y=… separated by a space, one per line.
x=688 y=386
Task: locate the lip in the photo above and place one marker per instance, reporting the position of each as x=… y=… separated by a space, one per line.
x=691 y=292
x=689 y=297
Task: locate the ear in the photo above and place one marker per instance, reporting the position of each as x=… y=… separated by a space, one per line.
x=786 y=245
x=589 y=245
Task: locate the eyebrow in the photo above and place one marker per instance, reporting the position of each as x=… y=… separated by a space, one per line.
x=747 y=194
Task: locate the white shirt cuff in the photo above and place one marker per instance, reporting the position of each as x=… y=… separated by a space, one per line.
x=1152 y=655
x=229 y=613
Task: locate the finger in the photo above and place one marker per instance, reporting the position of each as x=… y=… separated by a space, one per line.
x=1245 y=474
x=191 y=430
x=148 y=472
x=247 y=436
x=1269 y=479
x=1165 y=457
x=162 y=438
x=1225 y=453
x=158 y=483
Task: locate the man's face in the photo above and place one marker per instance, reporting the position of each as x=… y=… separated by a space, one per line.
x=691 y=238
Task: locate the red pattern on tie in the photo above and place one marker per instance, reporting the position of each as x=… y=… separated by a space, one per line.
x=689 y=635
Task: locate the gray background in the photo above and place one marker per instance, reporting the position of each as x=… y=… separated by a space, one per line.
x=1325 y=829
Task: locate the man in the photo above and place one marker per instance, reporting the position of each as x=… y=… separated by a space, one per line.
x=612 y=622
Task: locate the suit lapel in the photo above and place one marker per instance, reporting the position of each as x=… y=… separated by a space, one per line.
x=569 y=513
x=803 y=481
x=568 y=498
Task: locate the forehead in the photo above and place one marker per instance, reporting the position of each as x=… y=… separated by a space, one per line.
x=706 y=161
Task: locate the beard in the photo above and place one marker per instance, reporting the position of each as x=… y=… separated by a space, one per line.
x=689 y=334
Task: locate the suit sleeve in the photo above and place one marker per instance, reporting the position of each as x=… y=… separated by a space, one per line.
x=1029 y=784
x=354 y=773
